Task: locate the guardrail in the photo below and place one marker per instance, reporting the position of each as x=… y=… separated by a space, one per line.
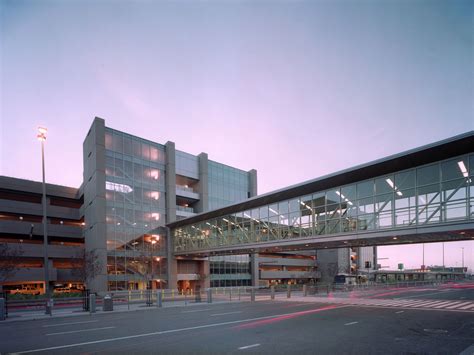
x=126 y=300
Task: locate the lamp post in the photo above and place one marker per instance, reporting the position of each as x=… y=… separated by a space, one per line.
x=462 y=250
x=443 y=256
x=42 y=137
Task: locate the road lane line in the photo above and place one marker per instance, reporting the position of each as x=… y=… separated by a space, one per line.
x=249 y=346
x=351 y=323
x=157 y=333
x=399 y=312
x=79 y=331
x=197 y=310
x=223 y=314
x=58 y=325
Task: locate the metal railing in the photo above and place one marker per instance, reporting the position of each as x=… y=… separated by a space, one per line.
x=141 y=299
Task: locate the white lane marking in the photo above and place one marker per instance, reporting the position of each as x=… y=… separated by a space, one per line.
x=197 y=310
x=79 y=331
x=351 y=323
x=399 y=312
x=467 y=307
x=159 y=333
x=60 y=324
x=223 y=314
x=249 y=346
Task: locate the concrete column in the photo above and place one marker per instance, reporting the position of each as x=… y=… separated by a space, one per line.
x=170 y=182
x=172 y=262
x=203 y=185
x=254 y=269
x=252 y=182
x=95 y=232
x=204 y=271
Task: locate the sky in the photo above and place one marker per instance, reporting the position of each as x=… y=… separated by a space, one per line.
x=294 y=89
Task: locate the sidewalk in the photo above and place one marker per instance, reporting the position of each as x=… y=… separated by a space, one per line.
x=118 y=308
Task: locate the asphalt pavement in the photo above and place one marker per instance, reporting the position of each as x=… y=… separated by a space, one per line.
x=301 y=325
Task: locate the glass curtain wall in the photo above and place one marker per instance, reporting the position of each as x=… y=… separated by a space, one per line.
x=228 y=185
x=135 y=204
x=435 y=193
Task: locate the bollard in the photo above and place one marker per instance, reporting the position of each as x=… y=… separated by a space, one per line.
x=2 y=309
x=92 y=303
x=230 y=294
x=327 y=289
x=159 y=299
x=209 y=295
x=272 y=292
x=288 y=291
x=252 y=295
x=239 y=293
x=305 y=290
x=49 y=306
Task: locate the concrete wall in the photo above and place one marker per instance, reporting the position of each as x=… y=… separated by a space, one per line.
x=203 y=185
x=94 y=200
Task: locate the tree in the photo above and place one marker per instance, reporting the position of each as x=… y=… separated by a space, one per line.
x=87 y=265
x=8 y=261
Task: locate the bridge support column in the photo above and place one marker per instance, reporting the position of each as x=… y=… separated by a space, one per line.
x=254 y=269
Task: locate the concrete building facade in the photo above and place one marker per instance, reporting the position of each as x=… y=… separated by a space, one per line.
x=132 y=188
x=21 y=235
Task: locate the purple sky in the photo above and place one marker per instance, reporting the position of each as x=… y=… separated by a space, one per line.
x=295 y=89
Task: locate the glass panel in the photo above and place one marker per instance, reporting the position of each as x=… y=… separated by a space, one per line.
x=429 y=207
x=454 y=169
x=405 y=180
x=333 y=196
x=384 y=185
x=365 y=189
x=127 y=145
x=455 y=199
x=108 y=140
x=118 y=142
x=383 y=211
x=427 y=175
x=349 y=193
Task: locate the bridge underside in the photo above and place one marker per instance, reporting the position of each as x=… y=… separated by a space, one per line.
x=426 y=234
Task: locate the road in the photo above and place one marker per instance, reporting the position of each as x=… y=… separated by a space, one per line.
x=303 y=325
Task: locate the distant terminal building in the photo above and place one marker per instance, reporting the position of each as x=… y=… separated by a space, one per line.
x=431 y=273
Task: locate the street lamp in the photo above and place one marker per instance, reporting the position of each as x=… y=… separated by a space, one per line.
x=42 y=137
x=462 y=250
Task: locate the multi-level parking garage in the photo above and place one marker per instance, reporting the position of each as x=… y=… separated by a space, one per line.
x=422 y=195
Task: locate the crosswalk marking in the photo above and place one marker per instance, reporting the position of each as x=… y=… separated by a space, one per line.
x=458 y=305
x=452 y=305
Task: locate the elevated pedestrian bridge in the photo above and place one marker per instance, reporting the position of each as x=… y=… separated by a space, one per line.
x=422 y=195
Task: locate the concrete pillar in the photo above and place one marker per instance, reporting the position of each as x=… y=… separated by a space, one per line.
x=170 y=181
x=95 y=233
x=205 y=272
x=172 y=263
x=252 y=182
x=202 y=186
x=254 y=269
